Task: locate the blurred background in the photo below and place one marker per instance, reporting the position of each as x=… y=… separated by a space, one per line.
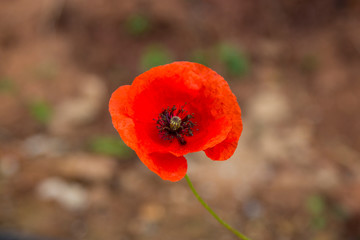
x=294 y=66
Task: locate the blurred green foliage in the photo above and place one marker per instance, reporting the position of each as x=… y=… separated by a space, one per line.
x=112 y=146
x=41 y=111
x=6 y=85
x=153 y=56
x=316 y=206
x=137 y=24
x=236 y=62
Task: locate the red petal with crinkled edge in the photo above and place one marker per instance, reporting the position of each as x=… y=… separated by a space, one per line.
x=166 y=165
x=226 y=149
x=119 y=110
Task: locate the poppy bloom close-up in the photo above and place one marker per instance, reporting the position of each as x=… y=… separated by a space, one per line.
x=176 y=109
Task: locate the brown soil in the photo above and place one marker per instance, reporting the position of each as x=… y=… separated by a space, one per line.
x=295 y=175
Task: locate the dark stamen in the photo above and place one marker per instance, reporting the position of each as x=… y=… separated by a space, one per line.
x=175 y=124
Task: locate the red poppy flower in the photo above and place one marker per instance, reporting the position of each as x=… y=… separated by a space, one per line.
x=173 y=110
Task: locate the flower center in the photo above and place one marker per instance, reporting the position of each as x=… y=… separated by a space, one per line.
x=175 y=123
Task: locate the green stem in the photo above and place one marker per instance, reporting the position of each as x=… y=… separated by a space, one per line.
x=238 y=234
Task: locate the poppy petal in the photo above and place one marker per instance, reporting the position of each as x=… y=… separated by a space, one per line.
x=119 y=110
x=226 y=149
x=166 y=165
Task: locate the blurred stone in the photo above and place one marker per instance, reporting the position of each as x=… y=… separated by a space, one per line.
x=180 y=195
x=328 y=177
x=273 y=145
x=269 y=106
x=70 y=195
x=87 y=167
x=294 y=142
x=152 y=212
x=83 y=109
x=149 y=216
x=253 y=209
x=9 y=165
x=132 y=179
x=42 y=145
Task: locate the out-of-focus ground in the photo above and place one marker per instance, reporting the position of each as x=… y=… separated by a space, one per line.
x=294 y=66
